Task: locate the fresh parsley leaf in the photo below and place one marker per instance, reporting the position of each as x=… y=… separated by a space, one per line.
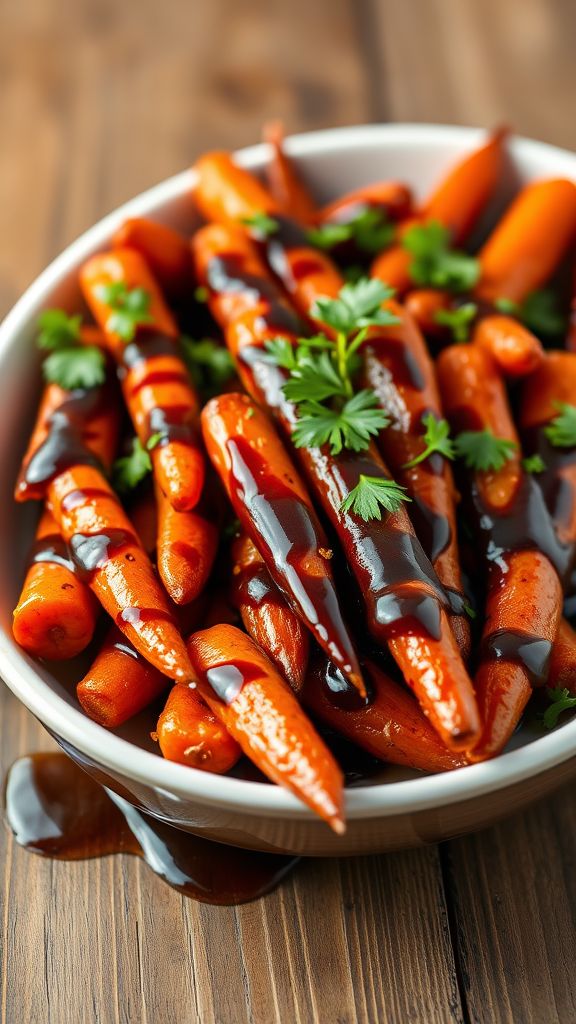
x=357 y=306
x=153 y=440
x=58 y=330
x=80 y=367
x=350 y=426
x=353 y=273
x=470 y=612
x=281 y=352
x=209 y=364
x=533 y=464
x=261 y=223
x=130 y=307
x=507 y=306
x=458 y=320
x=371 y=495
x=434 y=264
x=560 y=700
x=326 y=236
x=436 y=439
x=482 y=450
x=370 y=230
x=539 y=311
x=561 y=431
x=129 y=470
x=314 y=378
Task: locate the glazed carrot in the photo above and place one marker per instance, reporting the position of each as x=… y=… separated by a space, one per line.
x=143 y=514
x=190 y=733
x=529 y=241
x=392 y=198
x=56 y=613
x=283 y=179
x=423 y=305
x=571 y=337
x=165 y=250
x=186 y=549
x=271 y=501
x=266 y=614
x=119 y=683
x=562 y=667
x=392 y=266
x=391 y=727
x=259 y=710
x=523 y=613
x=463 y=194
x=513 y=347
x=227 y=193
x=155 y=382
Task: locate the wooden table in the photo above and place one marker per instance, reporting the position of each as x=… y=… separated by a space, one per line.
x=99 y=99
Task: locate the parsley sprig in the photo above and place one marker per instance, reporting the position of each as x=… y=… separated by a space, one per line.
x=370 y=230
x=481 y=450
x=69 y=363
x=434 y=264
x=436 y=440
x=261 y=223
x=129 y=307
x=561 y=431
x=539 y=311
x=129 y=470
x=533 y=464
x=209 y=364
x=560 y=700
x=373 y=494
x=459 y=320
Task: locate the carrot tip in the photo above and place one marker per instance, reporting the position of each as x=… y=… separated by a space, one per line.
x=338 y=825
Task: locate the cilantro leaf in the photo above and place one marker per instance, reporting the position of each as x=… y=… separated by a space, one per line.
x=561 y=431
x=261 y=223
x=434 y=264
x=314 y=378
x=209 y=364
x=129 y=307
x=482 y=450
x=80 y=367
x=129 y=470
x=533 y=464
x=436 y=439
x=58 y=330
x=350 y=426
x=560 y=700
x=371 y=495
x=357 y=306
x=458 y=320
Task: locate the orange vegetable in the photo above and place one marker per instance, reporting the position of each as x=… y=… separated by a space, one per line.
x=155 y=382
x=392 y=266
x=186 y=549
x=423 y=305
x=266 y=614
x=190 y=733
x=119 y=683
x=227 y=193
x=259 y=710
x=393 y=198
x=56 y=613
x=283 y=179
x=562 y=669
x=165 y=250
x=513 y=347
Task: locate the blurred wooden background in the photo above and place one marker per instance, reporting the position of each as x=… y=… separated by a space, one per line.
x=98 y=100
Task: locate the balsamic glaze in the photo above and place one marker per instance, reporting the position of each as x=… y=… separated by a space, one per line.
x=56 y=810
x=340 y=691
x=52 y=548
x=64 y=444
x=390 y=358
x=433 y=530
x=91 y=551
x=532 y=652
x=172 y=423
x=226 y=274
x=146 y=345
x=557 y=490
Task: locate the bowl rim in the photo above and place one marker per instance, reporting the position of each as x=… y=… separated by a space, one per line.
x=120 y=755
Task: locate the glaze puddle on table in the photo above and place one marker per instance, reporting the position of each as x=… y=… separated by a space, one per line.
x=56 y=810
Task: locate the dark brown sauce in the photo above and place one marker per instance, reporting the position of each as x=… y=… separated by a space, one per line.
x=288 y=235
x=91 y=551
x=226 y=274
x=532 y=652
x=339 y=690
x=56 y=810
x=146 y=345
x=433 y=530
x=52 y=548
x=64 y=445
x=396 y=358
x=172 y=423
x=557 y=490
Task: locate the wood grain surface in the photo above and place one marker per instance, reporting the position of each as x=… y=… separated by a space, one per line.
x=99 y=99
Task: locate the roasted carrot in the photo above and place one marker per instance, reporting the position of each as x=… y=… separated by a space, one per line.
x=259 y=710
x=165 y=250
x=56 y=612
x=186 y=549
x=571 y=336
x=562 y=667
x=274 y=508
x=283 y=180
x=266 y=614
x=119 y=683
x=190 y=733
x=392 y=266
x=423 y=305
x=391 y=727
x=157 y=390
x=143 y=513
x=227 y=193
x=392 y=198
x=514 y=348
x=529 y=241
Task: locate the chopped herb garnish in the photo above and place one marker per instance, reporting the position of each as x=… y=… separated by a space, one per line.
x=373 y=494
x=130 y=307
x=201 y=294
x=70 y=364
x=261 y=223
x=459 y=320
x=153 y=441
x=58 y=330
x=540 y=312
x=436 y=440
x=560 y=700
x=561 y=431
x=209 y=364
x=434 y=264
x=533 y=464
x=129 y=470
x=470 y=612
x=370 y=230
x=349 y=425
x=329 y=235
x=482 y=450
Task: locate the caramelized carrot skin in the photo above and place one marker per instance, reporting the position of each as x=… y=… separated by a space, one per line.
x=266 y=614
x=392 y=727
x=515 y=350
x=283 y=180
x=393 y=198
x=228 y=193
x=562 y=671
x=423 y=305
x=530 y=240
x=392 y=267
x=554 y=381
x=119 y=683
x=165 y=250
x=56 y=613
x=186 y=548
x=189 y=733
x=264 y=717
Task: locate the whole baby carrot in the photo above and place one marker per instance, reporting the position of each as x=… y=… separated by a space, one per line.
x=266 y=614
x=186 y=548
x=283 y=180
x=562 y=668
x=513 y=347
x=156 y=386
x=165 y=250
x=261 y=713
x=190 y=733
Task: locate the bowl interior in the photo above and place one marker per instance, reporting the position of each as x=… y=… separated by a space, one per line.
x=332 y=162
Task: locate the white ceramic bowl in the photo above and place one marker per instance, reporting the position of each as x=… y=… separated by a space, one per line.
x=390 y=812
